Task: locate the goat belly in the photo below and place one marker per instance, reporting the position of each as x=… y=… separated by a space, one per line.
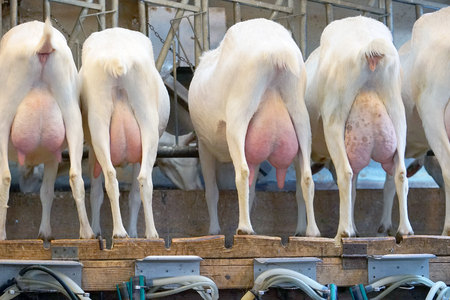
x=125 y=135
x=370 y=134
x=271 y=135
x=38 y=131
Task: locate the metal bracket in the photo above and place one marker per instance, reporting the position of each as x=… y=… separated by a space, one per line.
x=168 y=266
x=65 y=253
x=303 y=265
x=354 y=256
x=398 y=264
x=11 y=268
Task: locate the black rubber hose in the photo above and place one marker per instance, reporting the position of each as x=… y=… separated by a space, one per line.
x=7 y=284
x=51 y=273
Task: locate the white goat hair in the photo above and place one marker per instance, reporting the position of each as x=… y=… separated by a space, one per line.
x=125 y=107
x=40 y=115
x=357 y=69
x=425 y=90
x=246 y=102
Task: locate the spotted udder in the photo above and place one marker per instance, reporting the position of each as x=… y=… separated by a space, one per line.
x=369 y=133
x=271 y=135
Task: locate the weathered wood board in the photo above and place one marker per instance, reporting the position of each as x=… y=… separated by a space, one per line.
x=182 y=220
x=231 y=268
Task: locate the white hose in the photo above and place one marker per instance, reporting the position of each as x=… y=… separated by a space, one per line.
x=280 y=271
x=443 y=293
x=391 y=279
x=407 y=279
x=70 y=283
x=295 y=281
x=195 y=282
x=32 y=284
x=51 y=282
x=434 y=289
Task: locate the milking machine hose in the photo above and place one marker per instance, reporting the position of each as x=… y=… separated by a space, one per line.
x=132 y=289
x=58 y=282
x=279 y=275
x=439 y=288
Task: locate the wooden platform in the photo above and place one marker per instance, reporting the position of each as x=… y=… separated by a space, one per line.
x=232 y=268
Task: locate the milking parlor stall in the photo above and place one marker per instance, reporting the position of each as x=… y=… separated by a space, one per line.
x=300 y=152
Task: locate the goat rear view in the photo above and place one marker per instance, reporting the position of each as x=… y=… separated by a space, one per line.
x=125 y=109
x=40 y=115
x=246 y=102
x=356 y=111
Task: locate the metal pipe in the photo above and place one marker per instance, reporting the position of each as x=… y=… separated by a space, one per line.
x=237 y=12
x=78 y=3
x=351 y=5
x=102 y=25
x=165 y=48
x=389 y=17
x=303 y=27
x=382 y=4
x=177 y=151
x=419 y=11
x=371 y=3
x=142 y=19
x=175 y=96
x=13 y=12
x=274 y=13
x=260 y=4
x=1 y=21
x=115 y=15
x=78 y=25
x=205 y=29
x=198 y=34
x=329 y=10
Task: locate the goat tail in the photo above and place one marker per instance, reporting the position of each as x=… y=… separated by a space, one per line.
x=45 y=45
x=375 y=51
x=285 y=58
x=116 y=67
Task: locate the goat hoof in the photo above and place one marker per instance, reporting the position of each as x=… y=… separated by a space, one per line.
x=47 y=239
x=245 y=232
x=398 y=238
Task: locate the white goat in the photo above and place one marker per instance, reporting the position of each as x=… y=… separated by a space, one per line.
x=246 y=102
x=425 y=60
x=125 y=106
x=356 y=111
x=40 y=115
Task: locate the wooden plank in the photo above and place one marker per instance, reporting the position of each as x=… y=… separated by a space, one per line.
x=24 y=249
x=375 y=245
x=330 y=270
x=238 y=273
x=431 y=244
x=105 y=274
x=440 y=269
x=316 y=247
x=229 y=273
x=87 y=249
x=207 y=246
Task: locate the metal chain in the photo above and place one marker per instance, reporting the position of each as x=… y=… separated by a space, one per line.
x=186 y=60
x=60 y=26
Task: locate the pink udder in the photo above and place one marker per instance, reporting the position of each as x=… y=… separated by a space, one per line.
x=271 y=135
x=38 y=126
x=369 y=133
x=125 y=137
